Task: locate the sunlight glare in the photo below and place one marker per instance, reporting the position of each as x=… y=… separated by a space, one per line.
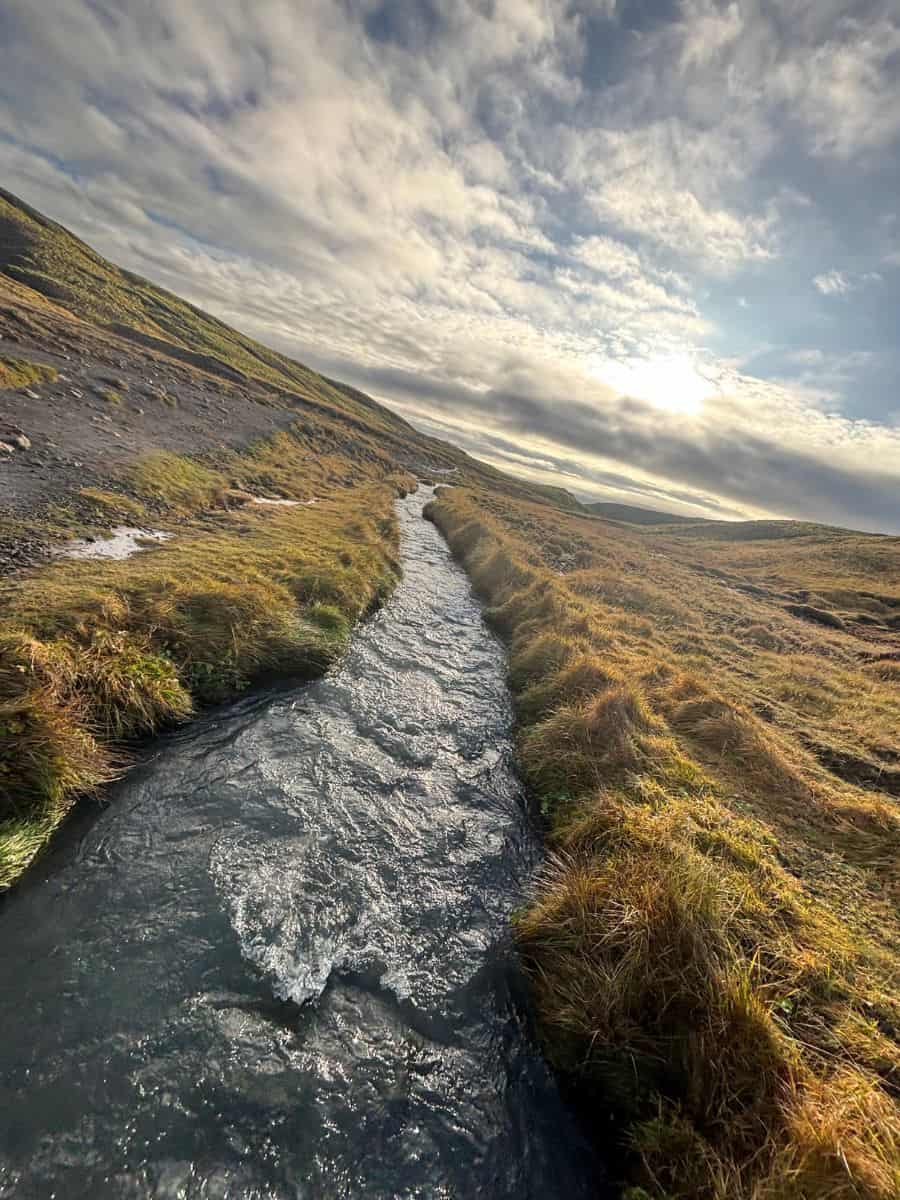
x=672 y=383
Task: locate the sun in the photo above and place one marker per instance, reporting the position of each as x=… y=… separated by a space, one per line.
x=672 y=382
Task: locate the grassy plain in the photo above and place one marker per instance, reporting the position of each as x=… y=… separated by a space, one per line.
x=709 y=717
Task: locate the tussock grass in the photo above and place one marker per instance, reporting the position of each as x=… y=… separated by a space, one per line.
x=95 y=652
x=712 y=944
x=177 y=481
x=579 y=746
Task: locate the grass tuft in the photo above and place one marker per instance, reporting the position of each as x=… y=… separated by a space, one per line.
x=177 y=481
x=18 y=373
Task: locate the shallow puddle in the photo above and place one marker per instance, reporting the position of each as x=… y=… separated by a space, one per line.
x=120 y=542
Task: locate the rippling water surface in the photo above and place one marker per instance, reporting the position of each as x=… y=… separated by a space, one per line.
x=278 y=965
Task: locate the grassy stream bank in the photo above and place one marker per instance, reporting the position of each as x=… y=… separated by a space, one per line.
x=713 y=944
x=93 y=653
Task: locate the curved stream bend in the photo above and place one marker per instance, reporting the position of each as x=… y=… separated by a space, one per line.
x=277 y=964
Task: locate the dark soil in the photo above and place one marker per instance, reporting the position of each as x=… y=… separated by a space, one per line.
x=114 y=401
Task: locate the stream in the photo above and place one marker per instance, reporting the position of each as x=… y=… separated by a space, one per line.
x=278 y=964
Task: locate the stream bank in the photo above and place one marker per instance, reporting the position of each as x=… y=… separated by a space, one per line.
x=278 y=964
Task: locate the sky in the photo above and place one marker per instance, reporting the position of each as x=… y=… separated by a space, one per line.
x=648 y=250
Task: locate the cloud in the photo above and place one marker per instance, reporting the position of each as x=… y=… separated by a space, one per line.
x=833 y=283
x=467 y=207
x=839 y=283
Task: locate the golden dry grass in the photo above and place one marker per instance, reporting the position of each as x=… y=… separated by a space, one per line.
x=95 y=652
x=713 y=943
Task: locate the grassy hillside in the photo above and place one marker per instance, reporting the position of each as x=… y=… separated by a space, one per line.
x=711 y=726
x=633 y=515
x=43 y=265
x=53 y=262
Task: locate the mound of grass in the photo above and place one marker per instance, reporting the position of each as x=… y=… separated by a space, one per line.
x=712 y=945
x=17 y=373
x=105 y=505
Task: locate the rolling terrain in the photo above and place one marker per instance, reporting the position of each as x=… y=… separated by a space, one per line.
x=631 y=514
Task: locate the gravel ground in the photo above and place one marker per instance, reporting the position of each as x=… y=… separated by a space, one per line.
x=113 y=401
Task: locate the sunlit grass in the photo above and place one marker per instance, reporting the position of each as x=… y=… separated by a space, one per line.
x=95 y=652
x=17 y=373
x=712 y=945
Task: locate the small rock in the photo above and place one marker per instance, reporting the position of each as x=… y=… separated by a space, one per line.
x=23 y=442
x=6 y=448
x=31 y=395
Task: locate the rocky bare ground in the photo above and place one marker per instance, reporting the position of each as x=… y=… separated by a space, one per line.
x=112 y=401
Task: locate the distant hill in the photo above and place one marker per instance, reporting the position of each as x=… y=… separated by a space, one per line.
x=640 y=516
x=51 y=260
x=43 y=257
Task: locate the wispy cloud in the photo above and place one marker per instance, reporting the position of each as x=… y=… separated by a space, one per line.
x=468 y=207
x=839 y=283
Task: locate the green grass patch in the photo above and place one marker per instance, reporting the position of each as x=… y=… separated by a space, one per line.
x=177 y=481
x=18 y=373
x=106 y=505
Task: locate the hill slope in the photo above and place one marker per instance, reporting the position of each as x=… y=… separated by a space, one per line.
x=54 y=263
x=73 y=311
x=633 y=515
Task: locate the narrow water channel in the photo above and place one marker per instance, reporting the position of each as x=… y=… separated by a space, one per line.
x=278 y=965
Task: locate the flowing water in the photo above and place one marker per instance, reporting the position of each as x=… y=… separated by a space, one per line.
x=278 y=963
